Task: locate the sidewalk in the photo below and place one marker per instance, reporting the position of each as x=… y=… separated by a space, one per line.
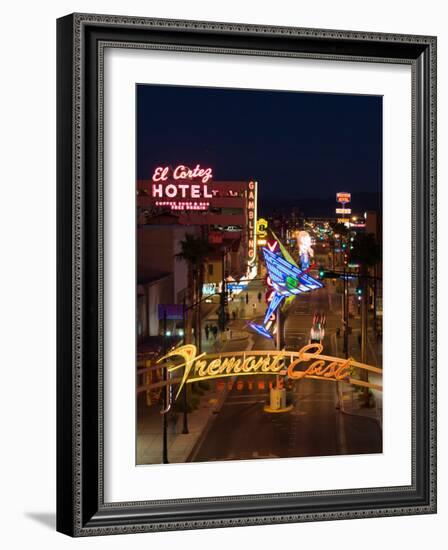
x=246 y=304
x=180 y=446
x=350 y=404
x=349 y=397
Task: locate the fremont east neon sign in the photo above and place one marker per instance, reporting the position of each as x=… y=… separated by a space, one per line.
x=308 y=362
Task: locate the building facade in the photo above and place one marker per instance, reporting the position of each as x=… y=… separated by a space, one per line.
x=180 y=200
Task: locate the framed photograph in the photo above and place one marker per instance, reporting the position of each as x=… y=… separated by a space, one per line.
x=246 y=274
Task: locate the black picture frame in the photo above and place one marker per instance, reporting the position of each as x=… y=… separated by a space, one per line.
x=81 y=510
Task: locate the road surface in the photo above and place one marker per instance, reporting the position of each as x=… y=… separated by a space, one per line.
x=315 y=427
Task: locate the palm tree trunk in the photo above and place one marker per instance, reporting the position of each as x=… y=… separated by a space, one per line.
x=195 y=308
x=189 y=312
x=199 y=309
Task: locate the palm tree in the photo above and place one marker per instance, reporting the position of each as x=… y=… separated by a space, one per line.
x=367 y=253
x=340 y=228
x=194 y=250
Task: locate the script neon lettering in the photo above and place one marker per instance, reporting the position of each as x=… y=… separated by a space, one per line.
x=228 y=365
x=160 y=173
x=339 y=369
x=182 y=172
x=270 y=363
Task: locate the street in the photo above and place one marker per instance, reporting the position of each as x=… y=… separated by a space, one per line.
x=242 y=430
x=316 y=426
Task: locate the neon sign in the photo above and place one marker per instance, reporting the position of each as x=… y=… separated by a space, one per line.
x=343 y=210
x=181 y=172
x=181 y=190
x=286 y=280
x=171 y=186
x=262 y=226
x=307 y=362
x=273 y=246
x=305 y=250
x=343 y=197
x=251 y=222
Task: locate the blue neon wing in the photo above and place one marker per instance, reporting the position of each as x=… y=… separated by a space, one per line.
x=280 y=269
x=260 y=330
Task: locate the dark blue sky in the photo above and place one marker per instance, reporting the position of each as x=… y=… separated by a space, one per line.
x=294 y=144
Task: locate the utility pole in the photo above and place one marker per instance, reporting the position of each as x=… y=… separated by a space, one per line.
x=345 y=313
x=279 y=334
x=165 y=398
x=222 y=315
x=375 y=290
x=184 y=392
x=199 y=315
x=364 y=328
x=196 y=313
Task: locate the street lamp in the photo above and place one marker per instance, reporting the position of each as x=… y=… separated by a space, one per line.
x=165 y=399
x=184 y=393
x=222 y=314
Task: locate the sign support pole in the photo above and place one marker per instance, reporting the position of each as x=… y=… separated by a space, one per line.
x=165 y=398
x=345 y=308
x=184 y=396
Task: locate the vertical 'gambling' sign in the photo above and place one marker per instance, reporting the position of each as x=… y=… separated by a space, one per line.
x=252 y=222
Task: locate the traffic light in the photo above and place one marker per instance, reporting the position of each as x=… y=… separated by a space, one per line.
x=359 y=291
x=321 y=272
x=344 y=246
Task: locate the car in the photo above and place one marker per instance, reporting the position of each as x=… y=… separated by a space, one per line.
x=317 y=332
x=233 y=228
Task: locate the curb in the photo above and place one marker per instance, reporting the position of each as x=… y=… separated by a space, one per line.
x=374 y=418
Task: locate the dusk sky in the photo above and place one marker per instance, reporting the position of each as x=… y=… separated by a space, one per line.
x=295 y=144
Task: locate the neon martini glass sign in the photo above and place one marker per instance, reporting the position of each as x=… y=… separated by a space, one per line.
x=287 y=280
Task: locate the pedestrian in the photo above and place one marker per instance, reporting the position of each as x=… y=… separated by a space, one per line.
x=234 y=315
x=247 y=298
x=207 y=331
x=259 y=297
x=215 y=331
